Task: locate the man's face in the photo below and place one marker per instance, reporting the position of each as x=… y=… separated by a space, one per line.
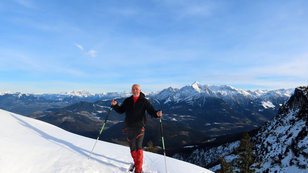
x=136 y=90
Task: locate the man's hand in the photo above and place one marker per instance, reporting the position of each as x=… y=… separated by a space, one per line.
x=114 y=102
x=159 y=114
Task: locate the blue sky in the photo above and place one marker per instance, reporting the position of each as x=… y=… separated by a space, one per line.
x=108 y=45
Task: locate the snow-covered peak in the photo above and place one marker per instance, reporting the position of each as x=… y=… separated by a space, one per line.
x=196 y=86
x=187 y=93
x=226 y=90
x=5 y=92
x=79 y=93
x=31 y=146
x=84 y=93
x=17 y=94
x=115 y=94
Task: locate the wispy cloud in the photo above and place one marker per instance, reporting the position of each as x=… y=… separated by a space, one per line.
x=92 y=53
x=71 y=71
x=249 y=81
x=79 y=46
x=11 y=60
x=294 y=67
x=29 y=63
x=281 y=74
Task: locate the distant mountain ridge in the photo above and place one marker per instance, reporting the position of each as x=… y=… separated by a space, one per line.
x=187 y=92
x=226 y=92
x=215 y=109
x=66 y=96
x=29 y=103
x=87 y=95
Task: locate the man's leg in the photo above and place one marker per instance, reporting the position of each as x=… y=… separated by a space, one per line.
x=131 y=139
x=139 y=155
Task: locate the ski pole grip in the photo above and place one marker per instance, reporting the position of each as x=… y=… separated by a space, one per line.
x=110 y=109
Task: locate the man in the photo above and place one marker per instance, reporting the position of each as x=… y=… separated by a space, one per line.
x=135 y=119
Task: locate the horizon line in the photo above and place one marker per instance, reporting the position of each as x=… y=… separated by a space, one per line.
x=147 y=92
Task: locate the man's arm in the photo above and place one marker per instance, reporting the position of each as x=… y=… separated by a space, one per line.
x=117 y=108
x=150 y=109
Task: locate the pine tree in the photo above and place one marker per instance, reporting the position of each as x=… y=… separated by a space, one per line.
x=247 y=158
x=225 y=166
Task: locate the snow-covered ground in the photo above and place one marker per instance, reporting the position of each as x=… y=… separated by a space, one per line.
x=31 y=146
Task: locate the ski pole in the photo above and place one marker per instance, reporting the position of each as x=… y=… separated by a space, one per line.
x=162 y=139
x=100 y=131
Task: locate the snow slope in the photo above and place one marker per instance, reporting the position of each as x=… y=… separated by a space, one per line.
x=29 y=146
x=283 y=143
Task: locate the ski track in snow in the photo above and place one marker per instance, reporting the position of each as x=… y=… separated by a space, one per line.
x=32 y=146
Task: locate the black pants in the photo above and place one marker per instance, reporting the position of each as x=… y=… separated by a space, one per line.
x=135 y=138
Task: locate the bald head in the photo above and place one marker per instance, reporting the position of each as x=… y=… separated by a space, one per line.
x=136 y=90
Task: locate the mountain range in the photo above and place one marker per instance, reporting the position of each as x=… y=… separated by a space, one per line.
x=25 y=103
x=281 y=144
x=219 y=109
